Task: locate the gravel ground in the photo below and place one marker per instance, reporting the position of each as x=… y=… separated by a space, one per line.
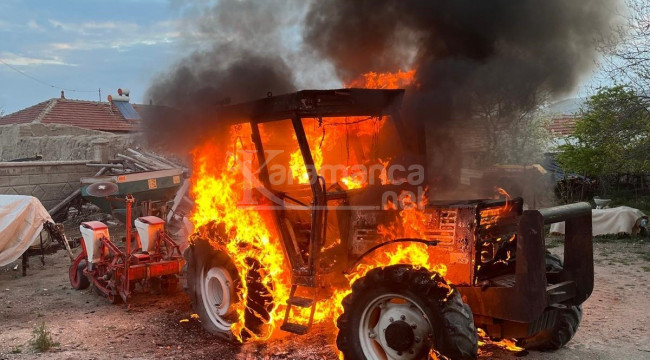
x=616 y=323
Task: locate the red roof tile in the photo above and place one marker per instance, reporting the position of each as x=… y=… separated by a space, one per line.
x=85 y=114
x=563 y=126
x=26 y=115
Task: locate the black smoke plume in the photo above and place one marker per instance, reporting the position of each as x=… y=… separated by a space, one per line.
x=470 y=55
x=462 y=47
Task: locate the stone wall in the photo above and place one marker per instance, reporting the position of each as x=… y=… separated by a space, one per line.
x=58 y=142
x=49 y=181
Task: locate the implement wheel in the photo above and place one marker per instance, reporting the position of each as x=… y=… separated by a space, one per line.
x=400 y=312
x=78 y=280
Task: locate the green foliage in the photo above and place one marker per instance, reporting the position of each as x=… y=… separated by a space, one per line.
x=627 y=198
x=612 y=136
x=41 y=339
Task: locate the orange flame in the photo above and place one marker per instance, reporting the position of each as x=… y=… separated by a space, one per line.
x=297 y=165
x=387 y=80
x=506 y=344
x=217 y=187
x=219 y=184
x=328 y=133
x=412 y=219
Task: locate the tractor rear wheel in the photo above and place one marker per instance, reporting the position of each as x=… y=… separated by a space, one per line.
x=566 y=323
x=402 y=312
x=213 y=285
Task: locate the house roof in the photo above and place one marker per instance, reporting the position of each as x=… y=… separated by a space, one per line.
x=92 y=115
x=562 y=126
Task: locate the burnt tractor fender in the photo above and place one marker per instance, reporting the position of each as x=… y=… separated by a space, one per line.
x=527 y=299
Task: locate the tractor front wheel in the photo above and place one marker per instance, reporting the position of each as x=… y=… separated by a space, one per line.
x=213 y=285
x=402 y=312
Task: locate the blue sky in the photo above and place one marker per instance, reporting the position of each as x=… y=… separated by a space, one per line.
x=97 y=44
x=84 y=45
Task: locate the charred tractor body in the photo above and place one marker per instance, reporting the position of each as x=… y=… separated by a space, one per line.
x=498 y=275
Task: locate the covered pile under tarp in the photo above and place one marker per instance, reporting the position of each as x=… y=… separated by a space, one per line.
x=21 y=221
x=622 y=219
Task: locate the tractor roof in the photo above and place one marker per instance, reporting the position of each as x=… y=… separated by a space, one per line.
x=315 y=103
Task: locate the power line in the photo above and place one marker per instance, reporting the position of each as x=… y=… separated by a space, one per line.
x=43 y=82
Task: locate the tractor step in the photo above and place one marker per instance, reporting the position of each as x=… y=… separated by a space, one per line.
x=300 y=301
x=295 y=328
x=303 y=280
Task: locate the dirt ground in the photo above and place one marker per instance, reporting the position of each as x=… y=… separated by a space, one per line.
x=616 y=323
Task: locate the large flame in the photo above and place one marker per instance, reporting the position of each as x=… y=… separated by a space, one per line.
x=325 y=134
x=218 y=187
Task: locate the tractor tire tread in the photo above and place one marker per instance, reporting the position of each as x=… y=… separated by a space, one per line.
x=459 y=341
x=567 y=321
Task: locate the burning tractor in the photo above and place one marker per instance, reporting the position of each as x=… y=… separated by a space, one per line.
x=402 y=277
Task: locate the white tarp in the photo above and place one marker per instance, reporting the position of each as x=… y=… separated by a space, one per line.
x=622 y=219
x=21 y=221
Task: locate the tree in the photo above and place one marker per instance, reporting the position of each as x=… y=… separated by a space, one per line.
x=627 y=50
x=612 y=137
x=513 y=125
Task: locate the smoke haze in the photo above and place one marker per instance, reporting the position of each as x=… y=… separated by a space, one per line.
x=468 y=54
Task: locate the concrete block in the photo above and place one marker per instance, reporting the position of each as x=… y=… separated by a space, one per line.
x=24 y=189
x=70 y=177
x=74 y=185
x=8 y=191
x=72 y=168
x=39 y=179
x=67 y=189
x=4 y=180
x=50 y=169
x=31 y=170
x=54 y=169
x=10 y=170
x=56 y=178
x=57 y=169
x=52 y=191
x=38 y=192
x=19 y=180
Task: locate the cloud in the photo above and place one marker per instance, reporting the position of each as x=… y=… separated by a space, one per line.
x=32 y=24
x=18 y=60
x=113 y=35
x=94 y=27
x=62 y=46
